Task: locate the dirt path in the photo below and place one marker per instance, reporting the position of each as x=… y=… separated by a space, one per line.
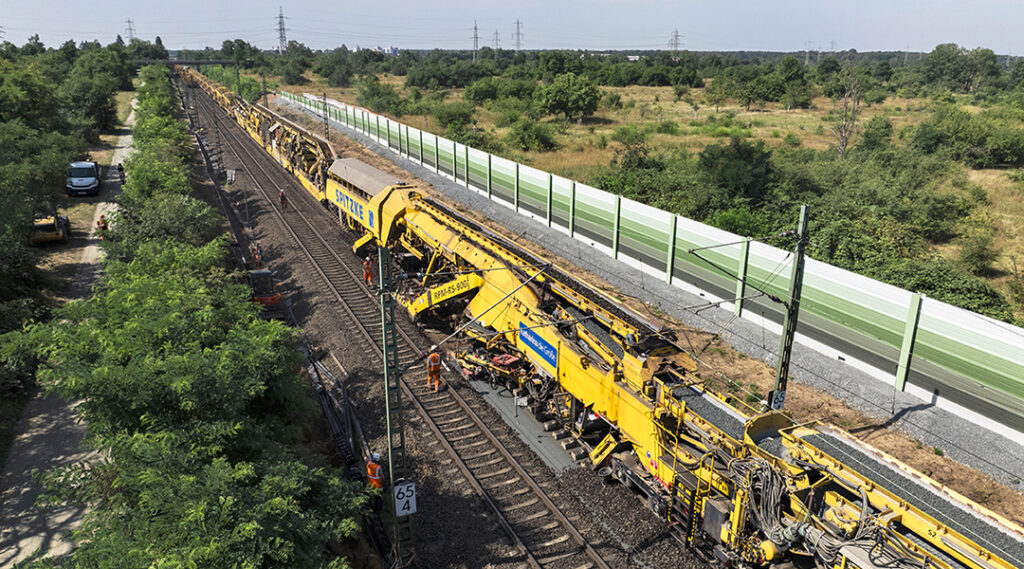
x=48 y=433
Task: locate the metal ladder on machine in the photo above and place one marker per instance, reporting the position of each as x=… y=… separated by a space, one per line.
x=402 y=538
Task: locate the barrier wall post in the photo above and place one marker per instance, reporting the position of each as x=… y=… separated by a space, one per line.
x=466 y=148
x=909 y=333
x=387 y=125
x=421 y=148
x=437 y=155
x=670 y=259
x=376 y=133
x=551 y=191
x=572 y=209
x=615 y=234
x=455 y=161
x=515 y=194
x=741 y=278
x=488 y=175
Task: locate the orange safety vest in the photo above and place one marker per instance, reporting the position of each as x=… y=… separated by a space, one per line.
x=367 y=273
x=375 y=473
x=434 y=363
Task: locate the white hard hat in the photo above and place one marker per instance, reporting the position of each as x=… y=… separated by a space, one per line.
x=376 y=456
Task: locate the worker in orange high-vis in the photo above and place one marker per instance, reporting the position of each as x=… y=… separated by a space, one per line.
x=374 y=471
x=102 y=226
x=434 y=371
x=367 y=273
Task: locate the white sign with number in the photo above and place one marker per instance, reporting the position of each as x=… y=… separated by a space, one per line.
x=405 y=498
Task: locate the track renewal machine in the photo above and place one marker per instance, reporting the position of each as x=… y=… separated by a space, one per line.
x=743 y=488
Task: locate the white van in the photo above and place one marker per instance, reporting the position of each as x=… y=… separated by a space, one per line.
x=83 y=179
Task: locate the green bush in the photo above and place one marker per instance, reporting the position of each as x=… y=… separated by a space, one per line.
x=667 y=127
x=612 y=101
x=531 y=135
x=455 y=115
x=877 y=133
x=380 y=97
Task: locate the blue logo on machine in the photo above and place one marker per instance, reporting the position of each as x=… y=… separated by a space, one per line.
x=371 y=219
x=538 y=344
x=350 y=205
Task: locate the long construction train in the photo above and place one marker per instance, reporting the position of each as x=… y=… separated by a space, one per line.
x=744 y=488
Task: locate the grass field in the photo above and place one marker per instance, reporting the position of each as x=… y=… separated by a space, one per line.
x=587 y=147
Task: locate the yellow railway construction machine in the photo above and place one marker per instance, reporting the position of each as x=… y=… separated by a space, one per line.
x=743 y=488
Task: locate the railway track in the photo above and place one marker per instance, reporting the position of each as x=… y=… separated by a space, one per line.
x=537 y=526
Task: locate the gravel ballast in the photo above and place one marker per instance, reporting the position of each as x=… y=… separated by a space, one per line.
x=936 y=505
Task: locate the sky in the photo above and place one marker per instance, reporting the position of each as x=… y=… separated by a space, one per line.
x=709 y=25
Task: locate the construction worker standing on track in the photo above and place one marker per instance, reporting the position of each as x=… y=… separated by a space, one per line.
x=434 y=371
x=281 y=197
x=367 y=273
x=374 y=471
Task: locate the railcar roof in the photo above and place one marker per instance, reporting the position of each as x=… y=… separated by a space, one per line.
x=363 y=176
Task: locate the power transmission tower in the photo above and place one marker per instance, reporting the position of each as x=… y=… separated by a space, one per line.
x=282 y=35
x=476 y=40
x=906 y=53
x=517 y=35
x=130 y=30
x=832 y=47
x=807 y=53
x=673 y=44
x=497 y=40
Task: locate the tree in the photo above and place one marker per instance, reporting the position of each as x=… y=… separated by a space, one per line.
x=741 y=168
x=717 y=93
x=569 y=94
x=947 y=66
x=828 y=67
x=983 y=67
x=27 y=95
x=845 y=122
x=680 y=91
x=791 y=70
x=877 y=133
x=694 y=106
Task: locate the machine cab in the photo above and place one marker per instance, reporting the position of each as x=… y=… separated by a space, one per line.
x=262 y=283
